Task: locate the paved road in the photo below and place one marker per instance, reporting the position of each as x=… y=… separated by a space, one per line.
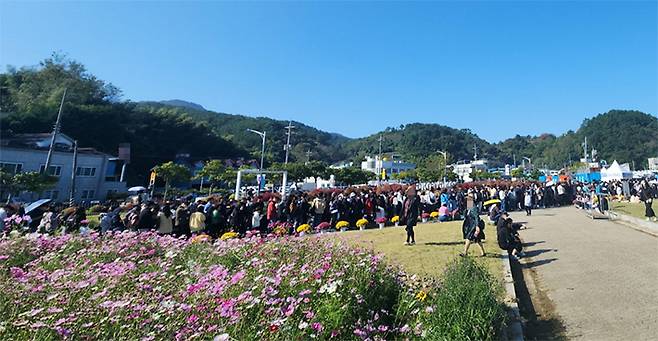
x=602 y=277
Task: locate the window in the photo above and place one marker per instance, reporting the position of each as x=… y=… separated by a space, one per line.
x=85 y=171
x=87 y=194
x=51 y=195
x=10 y=167
x=52 y=170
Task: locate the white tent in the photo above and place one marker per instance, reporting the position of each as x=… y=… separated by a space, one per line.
x=616 y=172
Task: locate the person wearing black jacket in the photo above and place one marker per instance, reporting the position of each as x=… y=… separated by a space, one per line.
x=508 y=237
x=646 y=195
x=410 y=209
x=147 y=220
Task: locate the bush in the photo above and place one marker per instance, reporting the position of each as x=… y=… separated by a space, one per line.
x=469 y=306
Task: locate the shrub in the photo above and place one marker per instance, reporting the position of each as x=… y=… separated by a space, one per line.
x=469 y=306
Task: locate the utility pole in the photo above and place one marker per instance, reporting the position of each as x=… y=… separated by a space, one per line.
x=475 y=148
x=73 y=173
x=445 y=166
x=308 y=156
x=287 y=146
x=585 y=148
x=380 y=163
x=514 y=156
x=54 y=136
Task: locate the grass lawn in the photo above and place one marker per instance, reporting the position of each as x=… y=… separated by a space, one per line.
x=632 y=209
x=437 y=244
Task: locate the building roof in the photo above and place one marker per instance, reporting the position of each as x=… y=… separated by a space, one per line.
x=41 y=141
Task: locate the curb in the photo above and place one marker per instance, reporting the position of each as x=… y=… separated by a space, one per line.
x=647 y=227
x=514 y=327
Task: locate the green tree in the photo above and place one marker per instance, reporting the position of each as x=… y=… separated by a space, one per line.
x=353 y=176
x=517 y=172
x=172 y=172
x=33 y=182
x=215 y=171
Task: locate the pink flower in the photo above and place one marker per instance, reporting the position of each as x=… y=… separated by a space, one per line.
x=317 y=326
x=3 y=257
x=192 y=319
x=237 y=277
x=18 y=273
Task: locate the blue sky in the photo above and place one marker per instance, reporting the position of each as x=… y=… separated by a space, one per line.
x=497 y=68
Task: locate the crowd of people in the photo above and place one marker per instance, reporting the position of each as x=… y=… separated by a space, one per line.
x=218 y=214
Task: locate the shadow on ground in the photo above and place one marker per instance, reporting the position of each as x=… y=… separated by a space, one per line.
x=444 y=243
x=534 y=253
x=533 y=243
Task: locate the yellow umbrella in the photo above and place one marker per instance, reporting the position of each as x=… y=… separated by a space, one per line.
x=491 y=202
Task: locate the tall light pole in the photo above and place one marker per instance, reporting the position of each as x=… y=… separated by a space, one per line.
x=287 y=146
x=445 y=165
x=262 y=135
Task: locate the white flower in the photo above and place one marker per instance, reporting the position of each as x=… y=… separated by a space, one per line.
x=170 y=254
x=302 y=325
x=222 y=337
x=330 y=288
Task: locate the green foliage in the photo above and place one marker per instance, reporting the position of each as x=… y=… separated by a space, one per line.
x=517 y=172
x=34 y=182
x=623 y=135
x=323 y=145
x=484 y=175
x=418 y=141
x=467 y=308
x=298 y=171
x=352 y=176
x=172 y=173
x=215 y=172
x=95 y=117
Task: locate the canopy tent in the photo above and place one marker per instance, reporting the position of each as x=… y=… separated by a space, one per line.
x=616 y=172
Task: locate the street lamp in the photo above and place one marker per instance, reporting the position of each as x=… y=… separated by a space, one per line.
x=262 y=135
x=445 y=165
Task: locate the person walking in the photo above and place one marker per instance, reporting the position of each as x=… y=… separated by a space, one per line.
x=473 y=231
x=410 y=214
x=527 y=202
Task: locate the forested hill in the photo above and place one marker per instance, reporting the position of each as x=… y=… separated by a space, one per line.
x=322 y=145
x=623 y=135
x=94 y=115
x=418 y=141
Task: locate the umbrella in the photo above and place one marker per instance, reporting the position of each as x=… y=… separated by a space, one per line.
x=491 y=202
x=136 y=189
x=33 y=206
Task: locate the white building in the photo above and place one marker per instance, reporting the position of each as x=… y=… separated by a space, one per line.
x=391 y=165
x=653 y=164
x=97 y=174
x=464 y=170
